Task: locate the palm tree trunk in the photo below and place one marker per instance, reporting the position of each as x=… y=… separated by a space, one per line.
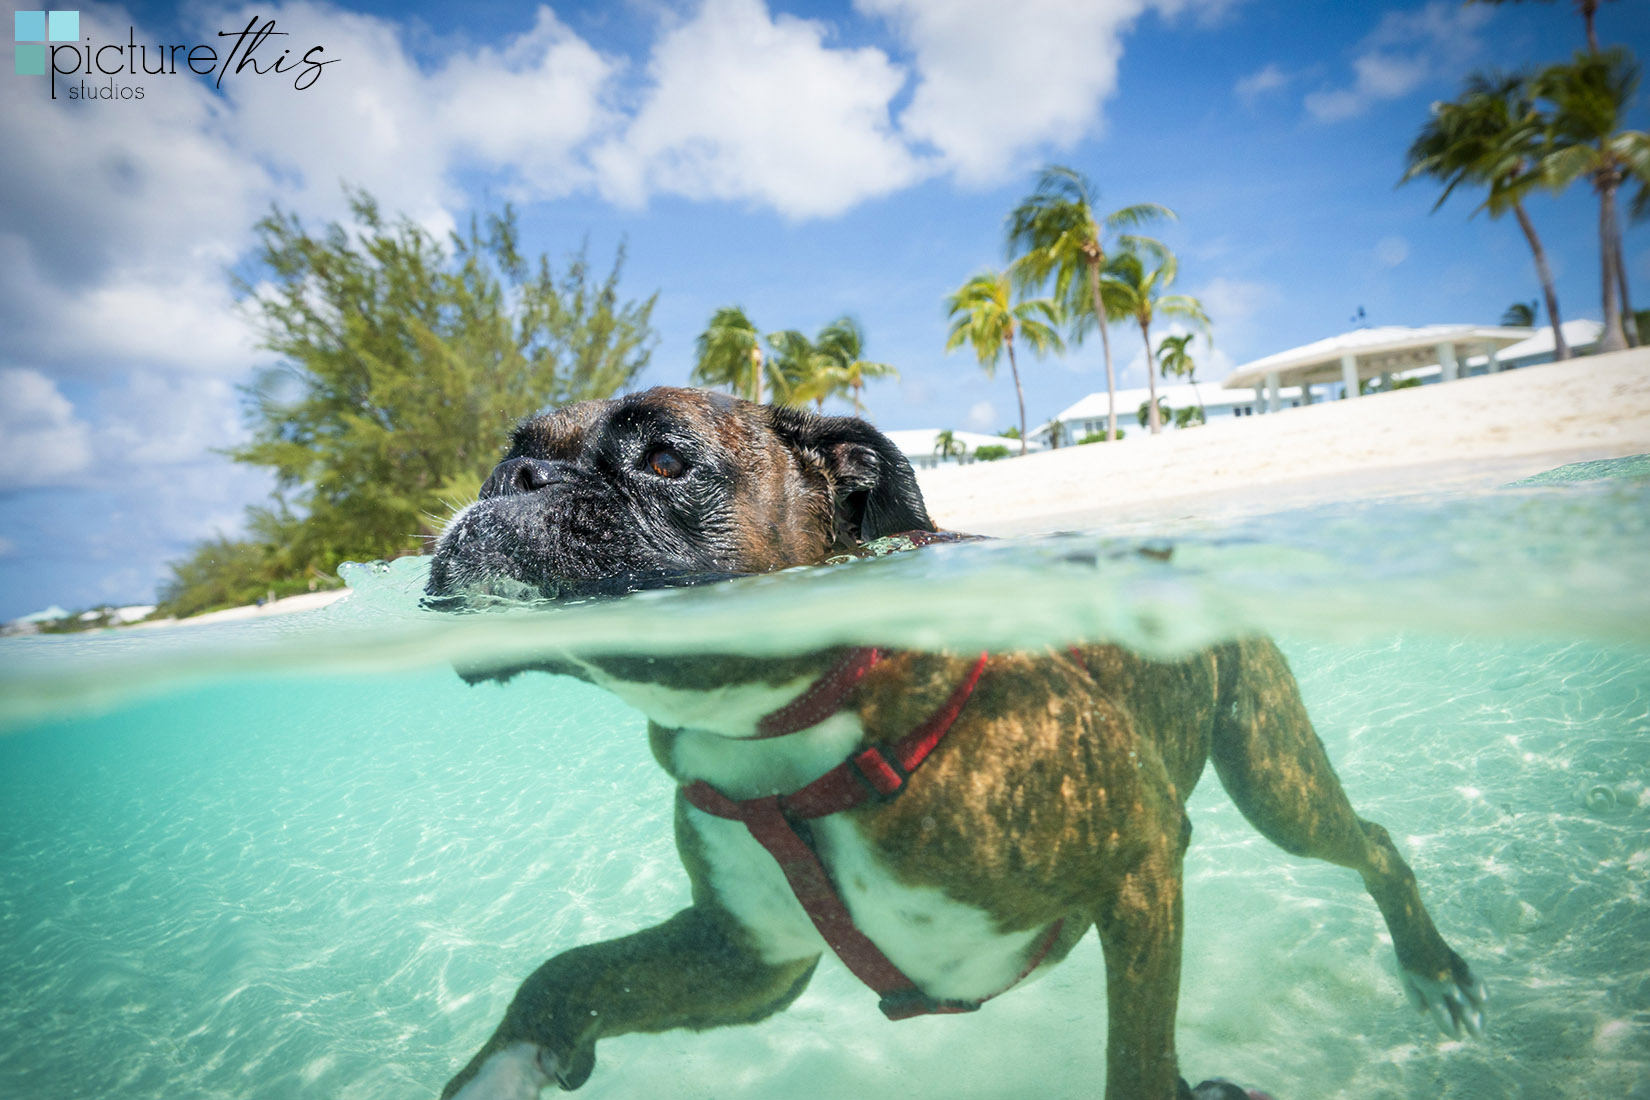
x=756 y=374
x=1008 y=338
x=1202 y=412
x=1629 y=319
x=1105 y=345
x=857 y=410
x=1153 y=417
x=1561 y=350
x=1613 y=339
x=1589 y=8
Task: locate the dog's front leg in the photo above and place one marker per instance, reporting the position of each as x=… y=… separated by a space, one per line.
x=697 y=970
x=1139 y=920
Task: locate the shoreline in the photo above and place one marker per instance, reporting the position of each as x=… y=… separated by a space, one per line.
x=1474 y=433
x=286 y=605
x=1469 y=434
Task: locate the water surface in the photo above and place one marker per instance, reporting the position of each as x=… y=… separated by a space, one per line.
x=299 y=857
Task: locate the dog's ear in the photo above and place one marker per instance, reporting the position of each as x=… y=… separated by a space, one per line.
x=875 y=488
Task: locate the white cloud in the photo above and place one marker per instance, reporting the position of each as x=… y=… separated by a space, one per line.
x=1268 y=78
x=984 y=97
x=1234 y=301
x=155 y=419
x=747 y=106
x=1406 y=49
x=1391 y=251
x=1238 y=311
x=982 y=417
x=42 y=442
x=377 y=119
x=995 y=83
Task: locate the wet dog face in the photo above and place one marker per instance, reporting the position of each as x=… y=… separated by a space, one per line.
x=671 y=486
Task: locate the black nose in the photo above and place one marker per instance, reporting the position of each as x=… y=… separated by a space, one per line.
x=517 y=475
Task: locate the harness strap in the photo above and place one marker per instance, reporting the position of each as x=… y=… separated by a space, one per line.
x=880 y=771
x=871 y=772
x=822 y=699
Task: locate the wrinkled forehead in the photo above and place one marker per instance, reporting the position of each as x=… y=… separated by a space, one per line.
x=665 y=413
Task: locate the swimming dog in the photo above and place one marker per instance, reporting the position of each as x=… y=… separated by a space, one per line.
x=947 y=824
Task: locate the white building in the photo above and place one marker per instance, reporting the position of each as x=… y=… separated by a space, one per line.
x=1582 y=337
x=1339 y=364
x=920 y=445
x=1320 y=371
x=1088 y=416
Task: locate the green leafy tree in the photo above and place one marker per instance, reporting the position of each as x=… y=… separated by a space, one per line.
x=1174 y=357
x=1056 y=234
x=1491 y=136
x=991 y=452
x=402 y=363
x=1521 y=314
x=1589 y=99
x=841 y=346
x=985 y=316
x=223 y=572
x=947 y=445
x=730 y=355
x=796 y=369
x=1133 y=290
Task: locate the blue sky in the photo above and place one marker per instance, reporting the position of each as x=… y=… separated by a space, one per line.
x=801 y=160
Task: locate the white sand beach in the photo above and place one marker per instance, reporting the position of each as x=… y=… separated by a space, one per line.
x=1472 y=433
x=304 y=601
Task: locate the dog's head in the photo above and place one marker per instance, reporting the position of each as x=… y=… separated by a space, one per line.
x=672 y=486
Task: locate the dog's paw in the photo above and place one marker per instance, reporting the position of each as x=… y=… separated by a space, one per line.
x=1456 y=1002
x=518 y=1072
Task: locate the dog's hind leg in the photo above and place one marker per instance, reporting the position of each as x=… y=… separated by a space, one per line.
x=696 y=970
x=1274 y=767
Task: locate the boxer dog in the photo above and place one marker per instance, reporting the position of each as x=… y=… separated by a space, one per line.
x=946 y=823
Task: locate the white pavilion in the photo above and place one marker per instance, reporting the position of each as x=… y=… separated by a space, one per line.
x=1367 y=353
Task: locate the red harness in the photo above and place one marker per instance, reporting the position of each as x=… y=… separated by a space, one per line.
x=875 y=772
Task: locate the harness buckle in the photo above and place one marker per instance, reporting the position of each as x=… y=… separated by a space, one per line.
x=880 y=772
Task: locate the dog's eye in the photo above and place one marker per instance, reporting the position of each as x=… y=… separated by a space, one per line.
x=665 y=462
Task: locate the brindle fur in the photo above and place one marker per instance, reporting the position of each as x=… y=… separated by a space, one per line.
x=1059 y=794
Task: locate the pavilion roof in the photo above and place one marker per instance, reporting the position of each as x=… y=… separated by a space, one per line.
x=1375 y=350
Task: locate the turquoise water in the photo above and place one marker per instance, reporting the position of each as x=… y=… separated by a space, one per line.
x=299 y=857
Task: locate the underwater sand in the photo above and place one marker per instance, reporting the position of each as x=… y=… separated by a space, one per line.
x=298 y=857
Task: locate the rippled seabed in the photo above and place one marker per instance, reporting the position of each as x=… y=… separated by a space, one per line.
x=300 y=858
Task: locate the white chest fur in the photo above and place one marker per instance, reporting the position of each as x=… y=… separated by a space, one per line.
x=949 y=949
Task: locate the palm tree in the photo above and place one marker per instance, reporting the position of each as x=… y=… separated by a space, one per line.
x=1492 y=136
x=1588 y=9
x=1520 y=314
x=1055 y=232
x=844 y=368
x=1589 y=98
x=730 y=354
x=1132 y=291
x=947 y=444
x=796 y=369
x=1174 y=357
x=984 y=315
